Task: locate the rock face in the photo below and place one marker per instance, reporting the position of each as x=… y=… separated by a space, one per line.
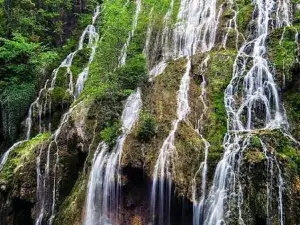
x=45 y=179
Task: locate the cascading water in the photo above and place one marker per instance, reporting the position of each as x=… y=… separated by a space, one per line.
x=92 y=44
x=123 y=56
x=195 y=30
x=198 y=205
x=148 y=38
x=4 y=157
x=161 y=186
x=160 y=67
x=105 y=179
x=252 y=103
x=46 y=183
x=232 y=25
x=272 y=166
x=42 y=105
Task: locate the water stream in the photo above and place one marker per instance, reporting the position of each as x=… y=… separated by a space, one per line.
x=194 y=31
x=252 y=103
x=103 y=196
x=42 y=105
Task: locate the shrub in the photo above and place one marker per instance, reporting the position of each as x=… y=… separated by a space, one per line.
x=109 y=134
x=147 y=127
x=133 y=73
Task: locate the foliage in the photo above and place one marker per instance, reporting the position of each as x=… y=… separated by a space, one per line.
x=255 y=142
x=43 y=21
x=13 y=106
x=29 y=34
x=109 y=134
x=22 y=59
x=133 y=73
x=147 y=127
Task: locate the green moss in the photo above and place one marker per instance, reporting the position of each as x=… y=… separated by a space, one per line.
x=61 y=78
x=59 y=96
x=160 y=102
x=187 y=156
x=218 y=75
x=283 y=51
x=285 y=148
x=283 y=55
x=133 y=73
x=80 y=61
x=292 y=106
x=255 y=142
x=71 y=209
x=244 y=16
x=20 y=155
x=254 y=156
x=176 y=8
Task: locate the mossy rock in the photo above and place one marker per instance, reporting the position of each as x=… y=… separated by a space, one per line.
x=282 y=50
x=20 y=159
x=244 y=17
x=60 y=96
x=160 y=100
x=62 y=78
x=217 y=74
x=70 y=211
x=188 y=155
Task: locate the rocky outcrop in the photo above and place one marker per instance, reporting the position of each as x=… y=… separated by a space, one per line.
x=268 y=170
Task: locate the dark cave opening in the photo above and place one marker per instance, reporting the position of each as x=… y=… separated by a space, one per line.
x=22 y=212
x=136 y=198
x=260 y=221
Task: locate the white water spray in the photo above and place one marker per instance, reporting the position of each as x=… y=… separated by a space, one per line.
x=42 y=105
x=252 y=103
x=195 y=30
x=103 y=198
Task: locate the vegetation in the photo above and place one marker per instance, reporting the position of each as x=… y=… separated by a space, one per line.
x=147 y=127
x=218 y=75
x=36 y=35
x=31 y=37
x=24 y=153
x=109 y=134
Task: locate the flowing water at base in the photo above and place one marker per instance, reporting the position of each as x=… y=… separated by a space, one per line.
x=252 y=103
x=104 y=188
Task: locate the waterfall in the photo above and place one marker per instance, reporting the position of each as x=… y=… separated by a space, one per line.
x=103 y=196
x=161 y=186
x=160 y=67
x=195 y=30
x=42 y=104
x=46 y=183
x=92 y=44
x=232 y=25
x=198 y=205
x=148 y=38
x=258 y=102
x=271 y=160
x=4 y=157
x=123 y=56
